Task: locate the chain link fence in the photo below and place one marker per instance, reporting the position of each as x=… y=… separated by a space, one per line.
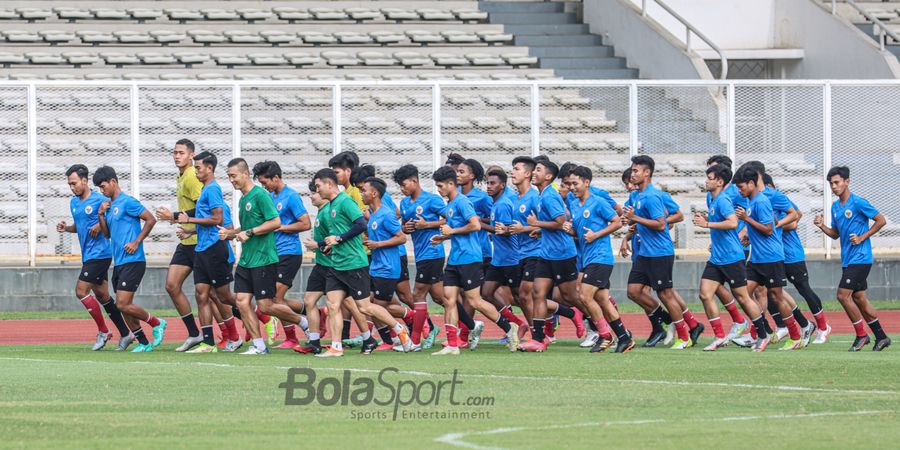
x=302 y=124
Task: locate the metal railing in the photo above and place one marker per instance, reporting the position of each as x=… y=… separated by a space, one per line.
x=882 y=29
x=691 y=29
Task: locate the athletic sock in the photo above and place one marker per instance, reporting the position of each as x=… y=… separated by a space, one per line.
x=223 y=330
x=655 y=325
x=420 y=314
x=140 y=336
x=208 y=338
x=190 y=324
x=801 y=319
x=682 y=329
x=537 y=329
x=549 y=329
x=232 y=330
x=716 y=325
x=503 y=324
x=619 y=328
x=602 y=328
x=385 y=333
x=759 y=327
x=116 y=316
x=875 y=326
x=408 y=316
x=753 y=332
x=152 y=321
x=236 y=312
x=511 y=316
x=592 y=325
x=792 y=327
x=860 y=328
x=366 y=335
x=452 y=338
x=430 y=323
x=774 y=312
x=463 y=332
x=337 y=345
x=565 y=311
x=769 y=329
x=821 y=323
x=464 y=317
x=290 y=332
x=313 y=336
x=689 y=318
x=93 y=308
x=733 y=311
x=263 y=318
x=259 y=343
x=345 y=332
x=658 y=317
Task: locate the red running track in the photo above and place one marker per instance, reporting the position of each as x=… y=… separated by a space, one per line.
x=77 y=331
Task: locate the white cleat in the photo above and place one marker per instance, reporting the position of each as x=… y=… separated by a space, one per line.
x=412 y=348
x=745 y=341
x=737 y=329
x=779 y=335
x=255 y=351
x=807 y=333
x=716 y=344
x=446 y=351
x=821 y=336
x=232 y=346
x=189 y=343
x=475 y=335
x=102 y=339
x=670 y=334
x=512 y=338
x=589 y=340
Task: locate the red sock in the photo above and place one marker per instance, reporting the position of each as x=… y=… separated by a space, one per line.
x=370 y=325
x=232 y=330
x=511 y=316
x=463 y=332
x=753 y=332
x=264 y=318
x=93 y=308
x=290 y=333
x=420 y=316
x=733 y=311
x=716 y=324
x=223 y=331
x=793 y=328
x=613 y=302
x=408 y=316
x=820 y=320
x=452 y=338
x=682 y=329
x=689 y=318
x=860 y=328
x=152 y=321
x=323 y=322
x=548 y=328
x=603 y=328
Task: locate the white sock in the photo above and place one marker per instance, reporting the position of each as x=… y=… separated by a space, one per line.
x=337 y=345
x=398 y=328
x=304 y=324
x=314 y=336
x=367 y=335
x=259 y=343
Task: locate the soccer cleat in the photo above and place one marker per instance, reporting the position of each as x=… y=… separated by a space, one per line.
x=330 y=353
x=881 y=344
x=232 y=346
x=821 y=336
x=624 y=345
x=159 y=332
x=354 y=342
x=859 y=343
x=670 y=333
x=744 y=341
x=370 y=345
x=413 y=348
x=779 y=335
x=204 y=348
x=522 y=332
x=446 y=351
x=189 y=343
x=287 y=343
x=715 y=344
x=102 y=339
x=695 y=333
x=512 y=337
x=308 y=348
x=384 y=347
x=475 y=335
x=461 y=344
x=589 y=339
x=504 y=340
x=222 y=343
x=124 y=342
x=737 y=329
x=143 y=348
x=532 y=345
x=554 y=323
x=601 y=345
x=792 y=344
x=655 y=338
x=578 y=321
x=405 y=341
x=807 y=333
x=255 y=351
x=550 y=339
x=271 y=330
x=681 y=344
x=428 y=342
x=761 y=343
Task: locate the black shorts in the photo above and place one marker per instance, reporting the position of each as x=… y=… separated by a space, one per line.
x=355 y=283
x=127 y=277
x=95 y=271
x=528 y=268
x=383 y=288
x=796 y=272
x=597 y=275
x=504 y=275
x=560 y=271
x=770 y=275
x=259 y=281
x=430 y=271
x=734 y=274
x=404 y=267
x=211 y=266
x=485 y=264
x=465 y=276
x=317 y=280
x=854 y=277
x=184 y=256
x=288 y=266
x=655 y=271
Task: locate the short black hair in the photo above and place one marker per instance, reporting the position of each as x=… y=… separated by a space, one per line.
x=187 y=143
x=526 y=160
x=475 y=167
x=746 y=175
x=80 y=169
x=443 y=174
x=499 y=174
x=241 y=164
x=758 y=166
x=312 y=186
x=566 y=169
x=841 y=171
x=378 y=184
x=324 y=175
x=344 y=160
x=405 y=172
x=720 y=172
x=266 y=169
x=207 y=159
x=582 y=172
x=361 y=174
x=540 y=158
x=454 y=159
x=104 y=174
x=719 y=159
x=626 y=175
x=550 y=166
x=767 y=180
x=644 y=160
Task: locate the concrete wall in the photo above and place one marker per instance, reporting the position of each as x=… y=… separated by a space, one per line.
x=52 y=289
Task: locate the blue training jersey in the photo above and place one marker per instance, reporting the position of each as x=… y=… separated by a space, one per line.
x=849 y=218
x=731 y=191
x=383 y=225
x=290 y=208
x=430 y=207
x=556 y=245
x=523 y=206
x=726 y=244
x=766 y=249
x=124 y=223
x=464 y=248
x=210 y=198
x=506 y=247
x=594 y=214
x=654 y=243
x=227 y=222
x=482 y=204
x=84 y=214
x=793 y=246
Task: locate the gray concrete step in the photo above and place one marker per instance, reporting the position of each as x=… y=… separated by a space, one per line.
x=554 y=29
x=588 y=74
x=582 y=63
x=559 y=41
x=530 y=18
x=521 y=7
x=571 y=52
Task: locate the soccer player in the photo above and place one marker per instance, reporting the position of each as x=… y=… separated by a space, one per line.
x=524 y=205
x=120 y=220
x=255 y=273
x=593 y=220
x=468 y=172
x=315 y=283
x=850 y=216
x=345 y=224
x=766 y=266
x=421 y=212
x=95 y=258
x=463 y=271
x=726 y=261
x=294 y=220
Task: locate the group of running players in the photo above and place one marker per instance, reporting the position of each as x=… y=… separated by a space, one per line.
x=524 y=241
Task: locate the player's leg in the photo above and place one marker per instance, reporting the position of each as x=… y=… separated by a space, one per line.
x=90 y=303
x=175 y=277
x=868 y=312
x=568 y=291
x=795 y=331
x=128 y=278
x=204 y=310
x=799 y=277
x=739 y=323
x=755 y=313
x=708 y=288
x=451 y=285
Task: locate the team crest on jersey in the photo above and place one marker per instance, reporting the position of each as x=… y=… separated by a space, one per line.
x=712 y=212
x=749 y=211
x=538 y=208
x=317 y=222
x=586 y=213
x=449 y=213
x=88 y=209
x=848 y=214
x=333 y=214
x=492 y=217
x=419 y=209
x=374 y=226
x=638 y=205
x=522 y=209
x=278 y=206
x=116 y=211
x=248 y=206
x=73 y=210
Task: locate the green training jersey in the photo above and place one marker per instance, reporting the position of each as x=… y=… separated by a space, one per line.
x=256 y=207
x=319 y=235
x=342 y=212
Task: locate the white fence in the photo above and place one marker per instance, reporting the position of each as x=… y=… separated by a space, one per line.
x=797 y=128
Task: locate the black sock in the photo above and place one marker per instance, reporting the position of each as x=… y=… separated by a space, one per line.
x=503 y=324
x=314 y=342
x=190 y=324
x=664 y=316
x=591 y=324
x=801 y=319
x=538 y=329
x=464 y=317
x=208 y=336
x=565 y=311
x=654 y=322
x=812 y=300
x=619 y=328
x=345 y=333
x=775 y=312
x=116 y=316
x=385 y=333
x=430 y=323
x=875 y=326
x=761 y=324
x=236 y=313
x=766 y=323
x=139 y=335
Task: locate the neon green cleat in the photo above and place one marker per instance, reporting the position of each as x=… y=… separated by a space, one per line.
x=159 y=332
x=204 y=348
x=428 y=342
x=143 y=348
x=791 y=344
x=354 y=342
x=681 y=345
x=271 y=330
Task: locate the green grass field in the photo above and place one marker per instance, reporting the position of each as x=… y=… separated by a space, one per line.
x=823 y=397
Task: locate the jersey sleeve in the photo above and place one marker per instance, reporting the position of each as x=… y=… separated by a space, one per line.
x=763 y=212
x=725 y=207
x=465 y=210
x=604 y=210
x=296 y=206
x=215 y=198
x=391 y=224
x=553 y=205
x=653 y=206
x=194 y=187
x=608 y=198
x=670 y=204
x=134 y=208
x=780 y=202
x=267 y=207
x=865 y=208
x=351 y=210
